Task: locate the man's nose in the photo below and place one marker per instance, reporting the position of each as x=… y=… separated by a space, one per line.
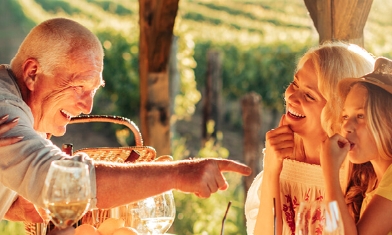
x=85 y=104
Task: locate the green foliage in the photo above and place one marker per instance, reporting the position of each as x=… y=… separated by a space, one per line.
x=188 y=96
x=58 y=6
x=196 y=216
x=121 y=93
x=11 y=228
x=265 y=69
x=114 y=8
x=240 y=12
x=25 y=22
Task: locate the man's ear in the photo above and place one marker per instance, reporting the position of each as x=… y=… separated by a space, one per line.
x=30 y=68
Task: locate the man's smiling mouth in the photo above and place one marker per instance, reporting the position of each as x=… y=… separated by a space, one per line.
x=66 y=114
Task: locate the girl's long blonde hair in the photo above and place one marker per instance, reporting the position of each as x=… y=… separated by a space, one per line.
x=378 y=108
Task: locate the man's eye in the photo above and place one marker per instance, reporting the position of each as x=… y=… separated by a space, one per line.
x=294 y=84
x=78 y=89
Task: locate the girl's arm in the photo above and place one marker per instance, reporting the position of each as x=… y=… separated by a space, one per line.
x=376 y=218
x=333 y=153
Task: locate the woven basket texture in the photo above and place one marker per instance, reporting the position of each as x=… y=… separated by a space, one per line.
x=130 y=154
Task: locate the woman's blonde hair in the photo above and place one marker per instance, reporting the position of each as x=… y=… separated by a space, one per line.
x=54 y=43
x=332 y=62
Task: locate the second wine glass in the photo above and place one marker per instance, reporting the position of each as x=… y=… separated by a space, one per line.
x=154 y=215
x=67 y=192
x=318 y=218
x=333 y=224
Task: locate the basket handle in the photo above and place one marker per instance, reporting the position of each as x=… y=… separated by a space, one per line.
x=113 y=119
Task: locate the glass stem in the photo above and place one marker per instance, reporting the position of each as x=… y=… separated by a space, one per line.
x=43 y=228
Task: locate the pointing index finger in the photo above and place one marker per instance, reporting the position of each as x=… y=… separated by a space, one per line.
x=232 y=166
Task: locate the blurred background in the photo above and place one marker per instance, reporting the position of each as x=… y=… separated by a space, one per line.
x=257 y=44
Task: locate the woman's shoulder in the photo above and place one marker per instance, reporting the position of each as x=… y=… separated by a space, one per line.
x=253 y=194
x=252 y=203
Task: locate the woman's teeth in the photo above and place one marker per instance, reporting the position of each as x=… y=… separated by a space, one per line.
x=295 y=114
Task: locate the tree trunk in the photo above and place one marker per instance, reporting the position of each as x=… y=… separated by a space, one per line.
x=251 y=118
x=174 y=81
x=156 y=32
x=212 y=99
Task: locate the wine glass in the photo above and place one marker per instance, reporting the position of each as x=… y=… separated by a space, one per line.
x=66 y=192
x=154 y=215
x=302 y=219
x=333 y=224
x=318 y=218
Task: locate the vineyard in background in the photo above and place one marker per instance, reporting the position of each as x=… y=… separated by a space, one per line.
x=259 y=42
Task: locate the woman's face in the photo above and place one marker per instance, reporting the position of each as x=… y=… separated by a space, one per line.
x=354 y=127
x=304 y=103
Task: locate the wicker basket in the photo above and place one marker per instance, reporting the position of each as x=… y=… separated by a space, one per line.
x=137 y=153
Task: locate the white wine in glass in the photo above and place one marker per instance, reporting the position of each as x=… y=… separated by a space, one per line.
x=156 y=214
x=67 y=192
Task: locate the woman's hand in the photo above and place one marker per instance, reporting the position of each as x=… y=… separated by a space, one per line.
x=6 y=126
x=279 y=145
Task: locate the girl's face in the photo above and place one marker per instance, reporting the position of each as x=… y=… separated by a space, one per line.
x=304 y=103
x=354 y=126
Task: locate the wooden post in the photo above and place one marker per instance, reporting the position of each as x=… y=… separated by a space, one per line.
x=339 y=19
x=251 y=118
x=156 y=32
x=174 y=81
x=212 y=101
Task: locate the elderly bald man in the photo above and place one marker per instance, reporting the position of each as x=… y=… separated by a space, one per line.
x=54 y=77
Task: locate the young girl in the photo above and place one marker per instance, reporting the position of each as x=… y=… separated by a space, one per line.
x=366 y=135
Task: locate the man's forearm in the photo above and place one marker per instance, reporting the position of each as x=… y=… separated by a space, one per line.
x=120 y=185
x=22 y=210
